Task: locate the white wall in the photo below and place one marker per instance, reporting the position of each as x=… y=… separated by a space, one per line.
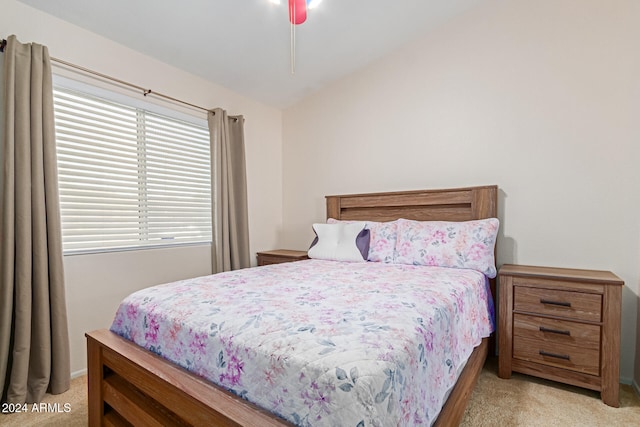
x=96 y=283
x=539 y=97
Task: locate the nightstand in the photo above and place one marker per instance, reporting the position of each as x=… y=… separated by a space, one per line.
x=278 y=256
x=561 y=324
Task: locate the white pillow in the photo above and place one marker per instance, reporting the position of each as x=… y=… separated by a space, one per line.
x=383 y=236
x=339 y=242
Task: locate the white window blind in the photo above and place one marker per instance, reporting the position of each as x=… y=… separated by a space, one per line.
x=128 y=177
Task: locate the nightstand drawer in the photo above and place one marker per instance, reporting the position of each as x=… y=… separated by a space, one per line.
x=278 y=256
x=554 y=354
x=551 y=302
x=552 y=331
x=272 y=259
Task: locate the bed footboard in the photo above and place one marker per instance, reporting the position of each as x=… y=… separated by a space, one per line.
x=131 y=386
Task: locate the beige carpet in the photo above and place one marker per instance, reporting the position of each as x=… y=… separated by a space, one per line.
x=74 y=414
x=520 y=401
x=528 y=401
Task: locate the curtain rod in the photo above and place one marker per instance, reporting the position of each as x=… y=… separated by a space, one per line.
x=144 y=91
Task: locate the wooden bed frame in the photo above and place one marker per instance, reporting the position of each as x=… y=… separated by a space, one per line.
x=129 y=385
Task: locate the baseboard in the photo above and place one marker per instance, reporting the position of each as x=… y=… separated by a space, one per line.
x=636 y=387
x=79 y=373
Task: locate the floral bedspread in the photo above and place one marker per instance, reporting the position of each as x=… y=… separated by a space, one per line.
x=320 y=343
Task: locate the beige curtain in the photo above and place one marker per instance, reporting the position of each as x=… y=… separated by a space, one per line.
x=229 y=217
x=34 y=342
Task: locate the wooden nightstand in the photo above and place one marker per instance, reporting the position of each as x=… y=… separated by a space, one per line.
x=280 y=255
x=561 y=324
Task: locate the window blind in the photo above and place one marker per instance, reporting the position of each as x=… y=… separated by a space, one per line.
x=128 y=177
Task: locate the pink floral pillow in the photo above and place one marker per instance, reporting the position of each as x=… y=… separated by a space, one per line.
x=382 y=245
x=468 y=244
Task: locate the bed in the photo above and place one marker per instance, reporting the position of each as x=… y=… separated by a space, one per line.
x=131 y=385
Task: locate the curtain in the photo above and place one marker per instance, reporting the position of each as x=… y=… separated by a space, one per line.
x=229 y=214
x=34 y=341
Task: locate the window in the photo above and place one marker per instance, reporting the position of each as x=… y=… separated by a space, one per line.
x=129 y=177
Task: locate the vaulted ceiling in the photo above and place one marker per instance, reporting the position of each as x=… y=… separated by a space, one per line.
x=244 y=45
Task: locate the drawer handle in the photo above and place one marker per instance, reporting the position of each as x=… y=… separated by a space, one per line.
x=557 y=356
x=555 y=331
x=563 y=304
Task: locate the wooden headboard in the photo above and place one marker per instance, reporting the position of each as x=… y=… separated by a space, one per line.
x=458 y=204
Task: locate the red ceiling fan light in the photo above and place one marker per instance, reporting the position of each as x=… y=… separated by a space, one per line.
x=297 y=11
